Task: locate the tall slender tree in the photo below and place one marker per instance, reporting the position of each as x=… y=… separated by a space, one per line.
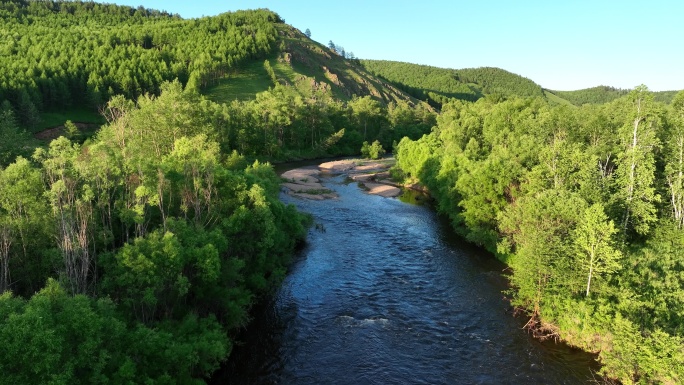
x=593 y=240
x=636 y=194
x=674 y=160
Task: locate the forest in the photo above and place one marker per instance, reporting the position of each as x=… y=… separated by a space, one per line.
x=101 y=50
x=439 y=85
x=585 y=205
x=144 y=247
x=133 y=255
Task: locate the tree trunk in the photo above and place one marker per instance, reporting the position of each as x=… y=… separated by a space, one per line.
x=5 y=243
x=591 y=271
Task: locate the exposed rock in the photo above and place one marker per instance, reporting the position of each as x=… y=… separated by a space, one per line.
x=383 y=190
x=372 y=175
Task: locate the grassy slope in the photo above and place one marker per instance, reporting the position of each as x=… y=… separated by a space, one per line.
x=245 y=82
x=51 y=119
x=594 y=95
x=555 y=99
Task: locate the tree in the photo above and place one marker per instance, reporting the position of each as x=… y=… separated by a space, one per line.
x=197 y=161
x=636 y=195
x=72 y=205
x=674 y=160
x=593 y=241
x=372 y=151
x=6 y=238
x=12 y=140
x=308 y=33
x=28 y=112
x=367 y=112
x=71 y=130
x=23 y=217
x=536 y=231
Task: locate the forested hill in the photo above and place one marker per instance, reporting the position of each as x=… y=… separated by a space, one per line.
x=604 y=94
x=58 y=55
x=61 y=54
x=307 y=66
x=439 y=84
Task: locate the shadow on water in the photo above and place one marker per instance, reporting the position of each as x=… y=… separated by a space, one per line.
x=386 y=293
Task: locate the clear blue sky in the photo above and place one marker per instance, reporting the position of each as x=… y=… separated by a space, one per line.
x=562 y=45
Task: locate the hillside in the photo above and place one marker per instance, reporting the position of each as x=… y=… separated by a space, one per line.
x=439 y=84
x=604 y=94
x=307 y=66
x=594 y=95
x=69 y=55
x=62 y=55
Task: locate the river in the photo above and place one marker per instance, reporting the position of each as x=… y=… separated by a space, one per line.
x=386 y=293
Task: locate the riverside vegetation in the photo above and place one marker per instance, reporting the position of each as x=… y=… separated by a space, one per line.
x=133 y=255
x=586 y=207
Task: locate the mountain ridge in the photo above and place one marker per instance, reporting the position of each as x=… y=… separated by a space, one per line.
x=438 y=84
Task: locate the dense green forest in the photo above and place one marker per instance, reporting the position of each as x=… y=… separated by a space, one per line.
x=284 y=95
x=58 y=54
x=604 y=94
x=594 y=95
x=586 y=206
x=132 y=255
x=144 y=248
x=438 y=85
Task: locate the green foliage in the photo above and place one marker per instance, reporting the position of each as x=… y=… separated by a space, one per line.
x=438 y=85
x=71 y=131
x=674 y=159
x=593 y=239
x=89 y=52
x=372 y=151
x=537 y=229
x=635 y=176
x=594 y=95
x=13 y=141
x=569 y=198
x=270 y=72
x=58 y=338
x=177 y=242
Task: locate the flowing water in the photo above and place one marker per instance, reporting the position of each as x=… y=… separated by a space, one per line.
x=385 y=293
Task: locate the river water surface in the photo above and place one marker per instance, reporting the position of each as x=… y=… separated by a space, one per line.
x=385 y=293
